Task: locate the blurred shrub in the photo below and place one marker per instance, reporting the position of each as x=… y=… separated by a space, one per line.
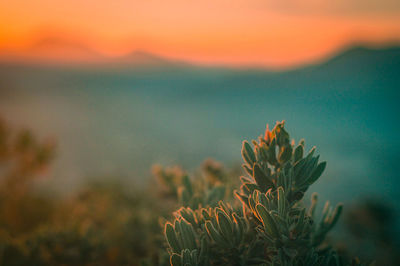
x=23 y=159
x=371 y=232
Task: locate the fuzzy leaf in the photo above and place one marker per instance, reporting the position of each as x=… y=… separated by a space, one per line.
x=214 y=235
x=268 y=221
x=248 y=154
x=298 y=153
x=171 y=237
x=317 y=172
x=261 y=179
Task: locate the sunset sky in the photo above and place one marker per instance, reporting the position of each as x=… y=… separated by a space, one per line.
x=276 y=33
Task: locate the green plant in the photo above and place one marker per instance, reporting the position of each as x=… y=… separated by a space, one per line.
x=189 y=192
x=271 y=226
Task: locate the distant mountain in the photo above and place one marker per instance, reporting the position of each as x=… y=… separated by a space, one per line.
x=62 y=49
x=54 y=50
x=58 y=50
x=142 y=58
x=363 y=56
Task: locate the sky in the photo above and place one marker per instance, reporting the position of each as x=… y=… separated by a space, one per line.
x=275 y=33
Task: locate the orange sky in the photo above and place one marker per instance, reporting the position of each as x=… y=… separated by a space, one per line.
x=277 y=33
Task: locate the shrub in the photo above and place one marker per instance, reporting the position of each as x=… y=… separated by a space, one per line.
x=269 y=225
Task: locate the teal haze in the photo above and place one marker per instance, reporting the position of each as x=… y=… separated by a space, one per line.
x=119 y=118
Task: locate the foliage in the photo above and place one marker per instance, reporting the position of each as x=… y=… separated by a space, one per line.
x=100 y=224
x=371 y=224
x=271 y=227
x=23 y=160
x=206 y=190
x=109 y=223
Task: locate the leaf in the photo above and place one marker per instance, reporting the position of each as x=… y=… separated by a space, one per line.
x=171 y=237
x=261 y=178
x=281 y=202
x=225 y=224
x=245 y=179
x=298 y=153
x=203 y=250
x=252 y=206
x=205 y=214
x=214 y=235
x=193 y=256
x=268 y=221
x=317 y=172
x=248 y=169
x=186 y=257
x=188 y=215
x=336 y=214
x=251 y=186
x=188 y=235
x=248 y=154
x=175 y=260
x=184 y=196
x=244 y=199
x=285 y=154
x=314 y=200
x=272 y=152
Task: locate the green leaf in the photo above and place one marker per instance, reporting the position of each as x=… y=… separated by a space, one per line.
x=203 y=250
x=248 y=154
x=188 y=235
x=205 y=214
x=281 y=202
x=186 y=258
x=248 y=169
x=268 y=221
x=244 y=199
x=314 y=200
x=317 y=172
x=251 y=186
x=298 y=153
x=171 y=237
x=188 y=215
x=184 y=196
x=262 y=180
x=285 y=154
x=175 y=260
x=336 y=215
x=225 y=224
x=214 y=235
x=272 y=152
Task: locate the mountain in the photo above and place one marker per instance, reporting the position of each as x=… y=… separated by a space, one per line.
x=54 y=50
x=357 y=67
x=142 y=58
x=363 y=58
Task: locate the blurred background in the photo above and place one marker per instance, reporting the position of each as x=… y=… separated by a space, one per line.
x=118 y=86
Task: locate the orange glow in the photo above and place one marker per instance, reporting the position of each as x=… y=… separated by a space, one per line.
x=236 y=32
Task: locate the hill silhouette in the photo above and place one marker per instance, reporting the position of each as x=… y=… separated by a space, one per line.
x=59 y=50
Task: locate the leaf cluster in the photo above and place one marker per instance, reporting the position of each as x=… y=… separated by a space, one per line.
x=271 y=226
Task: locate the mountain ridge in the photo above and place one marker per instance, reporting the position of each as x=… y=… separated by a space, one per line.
x=58 y=52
